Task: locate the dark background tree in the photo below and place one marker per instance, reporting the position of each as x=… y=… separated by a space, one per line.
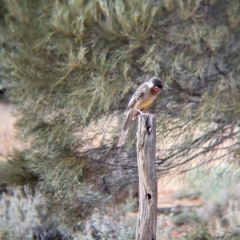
x=70 y=68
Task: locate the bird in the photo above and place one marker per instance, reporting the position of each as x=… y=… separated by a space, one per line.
x=142 y=98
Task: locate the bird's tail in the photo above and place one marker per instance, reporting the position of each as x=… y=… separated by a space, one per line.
x=124 y=129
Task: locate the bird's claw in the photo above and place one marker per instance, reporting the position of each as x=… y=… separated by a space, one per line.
x=142 y=113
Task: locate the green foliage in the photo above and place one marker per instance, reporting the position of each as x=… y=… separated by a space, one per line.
x=23 y=216
x=127 y=20
x=185 y=217
x=217 y=217
x=6 y=234
x=15 y=171
x=212 y=180
x=117 y=225
x=201 y=233
x=68 y=63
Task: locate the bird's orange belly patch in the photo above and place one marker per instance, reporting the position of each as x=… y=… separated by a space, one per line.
x=145 y=103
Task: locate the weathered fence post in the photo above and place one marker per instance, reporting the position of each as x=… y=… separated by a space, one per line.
x=146 y=148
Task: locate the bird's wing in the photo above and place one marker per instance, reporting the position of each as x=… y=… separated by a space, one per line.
x=138 y=94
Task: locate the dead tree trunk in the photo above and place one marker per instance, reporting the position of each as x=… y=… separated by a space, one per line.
x=146 y=149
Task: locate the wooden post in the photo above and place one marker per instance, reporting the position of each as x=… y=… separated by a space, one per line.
x=146 y=148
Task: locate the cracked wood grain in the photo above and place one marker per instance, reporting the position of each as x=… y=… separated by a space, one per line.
x=146 y=149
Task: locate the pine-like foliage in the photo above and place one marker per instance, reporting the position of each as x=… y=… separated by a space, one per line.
x=66 y=64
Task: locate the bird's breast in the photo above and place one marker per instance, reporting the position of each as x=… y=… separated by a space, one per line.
x=146 y=101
